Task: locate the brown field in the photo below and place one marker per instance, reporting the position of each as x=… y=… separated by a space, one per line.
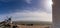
x=35 y=26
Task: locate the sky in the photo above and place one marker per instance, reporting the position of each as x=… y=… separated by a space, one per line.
x=26 y=10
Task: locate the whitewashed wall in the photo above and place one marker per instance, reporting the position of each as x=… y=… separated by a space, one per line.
x=56 y=13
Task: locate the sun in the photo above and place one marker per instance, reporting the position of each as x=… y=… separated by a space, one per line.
x=50 y=2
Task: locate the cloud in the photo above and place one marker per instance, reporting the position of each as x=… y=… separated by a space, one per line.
x=30 y=16
x=34 y=16
x=21 y=5
x=29 y=1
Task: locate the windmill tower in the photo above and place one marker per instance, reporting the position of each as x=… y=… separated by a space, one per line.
x=9 y=20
